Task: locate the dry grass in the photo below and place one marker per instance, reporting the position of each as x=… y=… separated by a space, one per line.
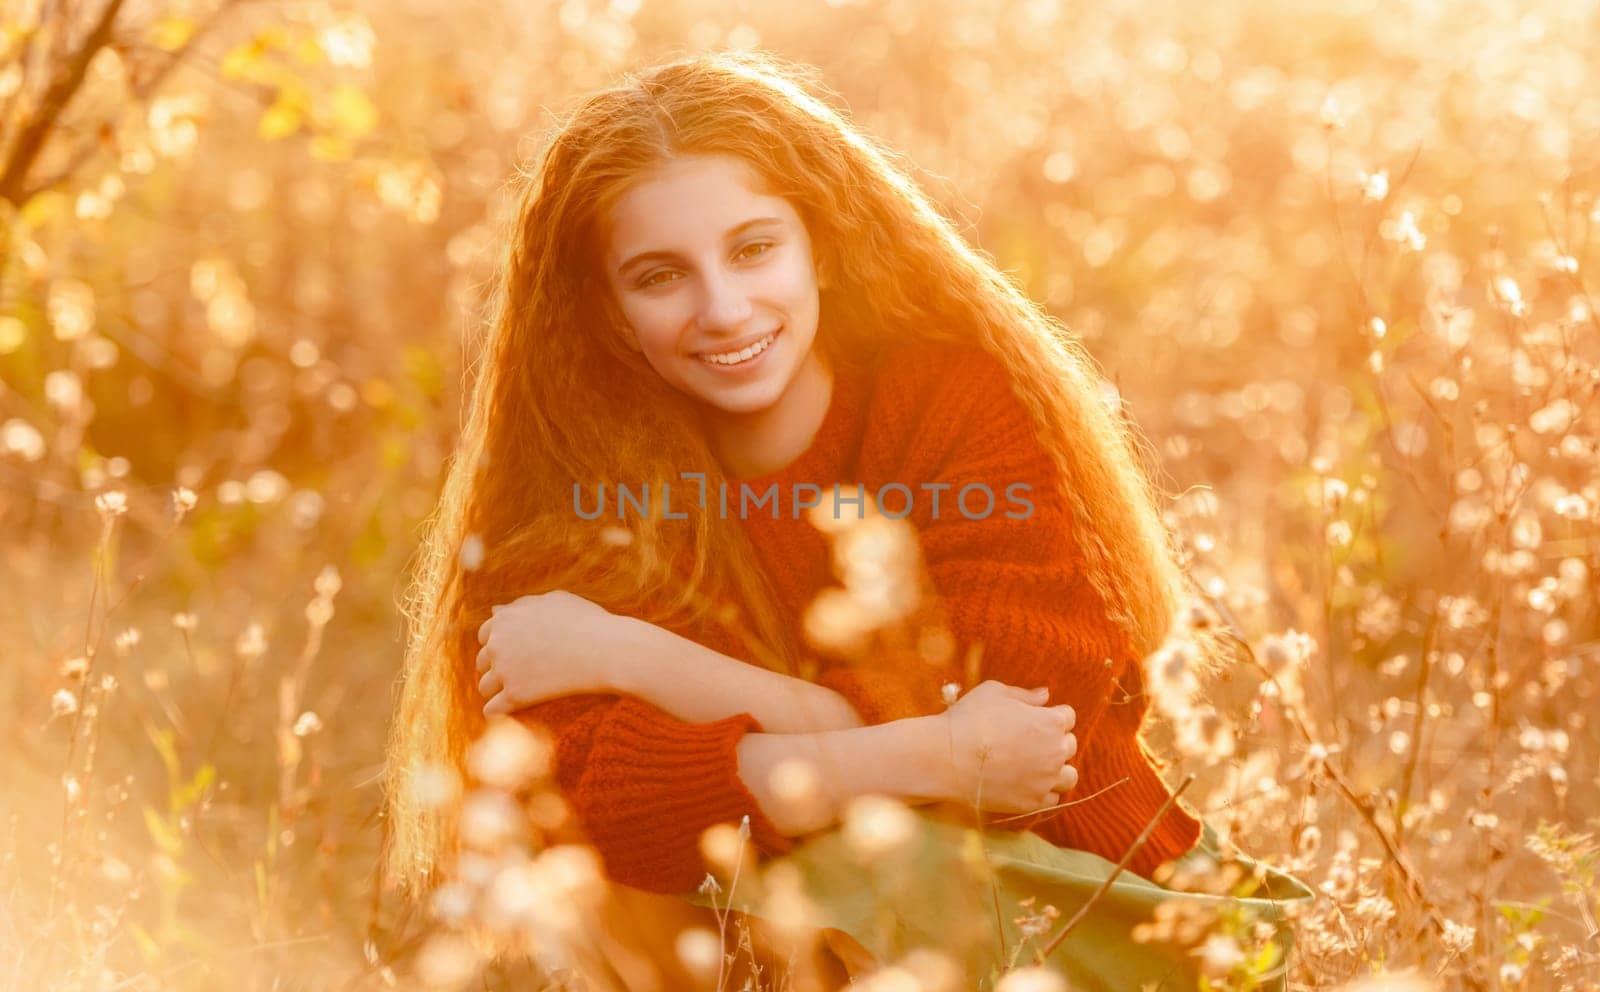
x=1337 y=258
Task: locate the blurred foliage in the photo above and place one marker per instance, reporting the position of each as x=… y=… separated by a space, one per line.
x=1336 y=256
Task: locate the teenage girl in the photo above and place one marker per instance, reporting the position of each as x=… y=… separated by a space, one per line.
x=719 y=288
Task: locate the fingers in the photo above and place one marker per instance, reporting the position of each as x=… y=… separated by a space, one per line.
x=1069 y=746
x=1067 y=779
x=484 y=660
x=483 y=628
x=1036 y=696
x=1068 y=712
x=489 y=684
x=499 y=704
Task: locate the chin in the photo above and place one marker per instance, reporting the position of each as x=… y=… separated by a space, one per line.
x=751 y=397
x=740 y=405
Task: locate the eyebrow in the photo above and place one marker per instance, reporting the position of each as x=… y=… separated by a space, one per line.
x=732 y=232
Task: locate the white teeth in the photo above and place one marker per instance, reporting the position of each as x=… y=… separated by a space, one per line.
x=737 y=357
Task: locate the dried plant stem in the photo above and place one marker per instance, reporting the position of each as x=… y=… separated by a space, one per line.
x=1058 y=807
x=983 y=847
x=722 y=914
x=1367 y=809
x=1127 y=856
x=1414 y=752
x=1578 y=286
x=63 y=864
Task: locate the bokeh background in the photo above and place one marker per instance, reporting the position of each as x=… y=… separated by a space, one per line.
x=1336 y=256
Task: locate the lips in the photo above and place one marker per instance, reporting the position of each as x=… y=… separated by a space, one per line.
x=723 y=358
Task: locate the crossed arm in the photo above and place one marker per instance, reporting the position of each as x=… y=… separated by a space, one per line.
x=602 y=652
x=697 y=684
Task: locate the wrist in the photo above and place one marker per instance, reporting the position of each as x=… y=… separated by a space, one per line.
x=933 y=769
x=844 y=715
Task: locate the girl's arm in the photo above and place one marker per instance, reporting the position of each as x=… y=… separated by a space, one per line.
x=557 y=644
x=915 y=759
x=697 y=684
x=908 y=759
x=998 y=745
x=644 y=786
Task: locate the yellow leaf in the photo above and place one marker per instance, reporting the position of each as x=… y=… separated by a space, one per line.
x=42 y=209
x=148 y=946
x=12 y=333
x=241 y=61
x=423 y=369
x=172 y=32
x=353 y=114
x=281 y=119
x=191 y=793
x=307 y=51
x=393 y=452
x=165 y=837
x=274 y=37
x=163 y=740
x=329 y=148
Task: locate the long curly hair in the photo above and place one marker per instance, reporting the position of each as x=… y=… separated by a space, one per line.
x=557 y=397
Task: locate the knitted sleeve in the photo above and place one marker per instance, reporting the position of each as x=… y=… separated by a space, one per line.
x=644 y=785
x=1008 y=583
x=1014 y=586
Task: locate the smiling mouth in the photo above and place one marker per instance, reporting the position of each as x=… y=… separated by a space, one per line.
x=741 y=355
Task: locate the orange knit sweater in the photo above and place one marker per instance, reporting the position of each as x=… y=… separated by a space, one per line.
x=644 y=785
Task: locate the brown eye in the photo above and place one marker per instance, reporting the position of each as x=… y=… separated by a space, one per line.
x=763 y=245
x=651 y=280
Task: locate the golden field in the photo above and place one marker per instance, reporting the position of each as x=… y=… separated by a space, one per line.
x=1337 y=258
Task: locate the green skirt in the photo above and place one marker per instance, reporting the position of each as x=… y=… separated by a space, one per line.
x=980 y=897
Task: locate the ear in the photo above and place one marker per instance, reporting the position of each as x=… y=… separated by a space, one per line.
x=823 y=265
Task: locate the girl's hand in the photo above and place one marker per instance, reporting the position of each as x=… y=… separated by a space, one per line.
x=1010 y=750
x=548 y=645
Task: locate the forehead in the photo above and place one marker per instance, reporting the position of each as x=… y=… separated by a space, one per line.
x=689 y=200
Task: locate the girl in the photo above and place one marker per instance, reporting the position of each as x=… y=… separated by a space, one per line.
x=724 y=296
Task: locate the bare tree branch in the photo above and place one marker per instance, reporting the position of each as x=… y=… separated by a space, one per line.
x=31 y=139
x=145 y=88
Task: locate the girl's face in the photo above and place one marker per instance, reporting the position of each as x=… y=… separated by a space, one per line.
x=717 y=282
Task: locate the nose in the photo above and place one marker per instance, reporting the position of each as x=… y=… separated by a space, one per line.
x=724 y=307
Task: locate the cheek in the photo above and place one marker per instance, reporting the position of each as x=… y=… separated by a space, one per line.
x=796 y=276
x=645 y=314
x=655 y=320
x=808 y=295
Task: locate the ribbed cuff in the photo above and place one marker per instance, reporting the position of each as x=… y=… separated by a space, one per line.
x=653 y=784
x=1109 y=823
